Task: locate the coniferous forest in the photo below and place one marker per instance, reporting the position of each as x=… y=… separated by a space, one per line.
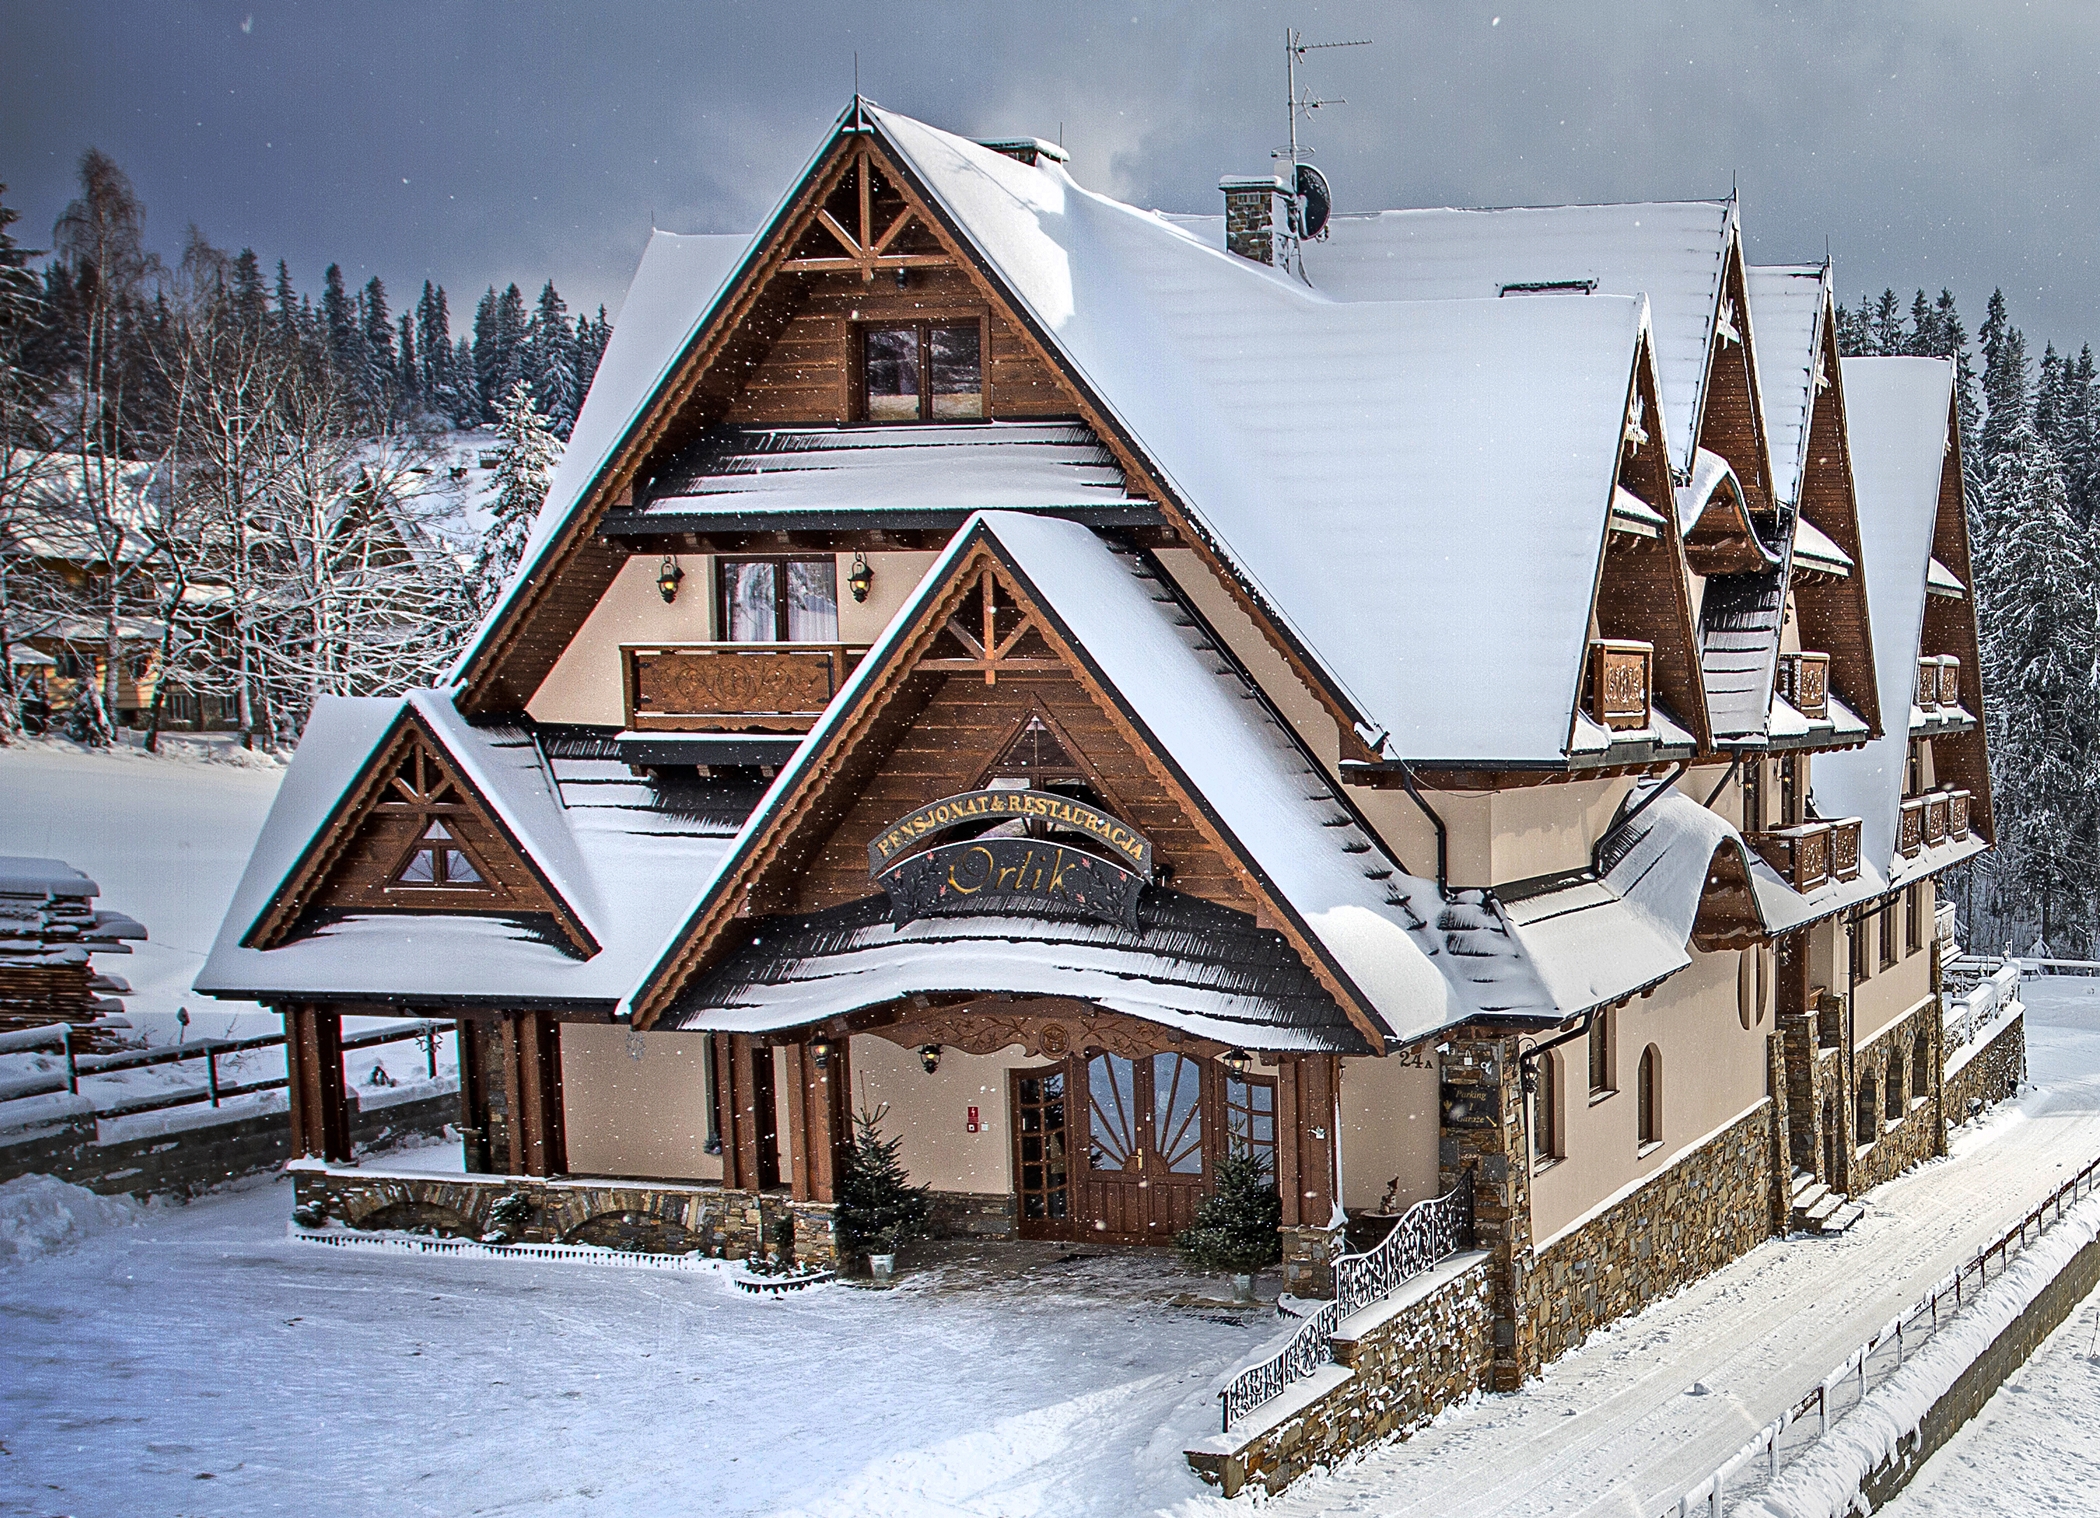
x=223 y=495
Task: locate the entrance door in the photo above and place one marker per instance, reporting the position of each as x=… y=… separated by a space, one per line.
x=1144 y=1165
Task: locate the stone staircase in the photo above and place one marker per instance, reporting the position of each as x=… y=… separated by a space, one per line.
x=1817 y=1209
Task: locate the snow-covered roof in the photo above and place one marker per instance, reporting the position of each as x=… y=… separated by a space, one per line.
x=741 y=470
x=1939 y=578
x=674 y=289
x=1672 y=252
x=23 y=876
x=58 y=513
x=1350 y=458
x=621 y=868
x=1896 y=412
x=1740 y=621
x=1814 y=549
x=1786 y=311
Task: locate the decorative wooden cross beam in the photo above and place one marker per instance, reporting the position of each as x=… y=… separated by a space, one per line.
x=868 y=251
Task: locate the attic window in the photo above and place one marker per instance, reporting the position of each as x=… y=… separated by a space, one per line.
x=1549 y=287
x=438 y=861
x=923 y=372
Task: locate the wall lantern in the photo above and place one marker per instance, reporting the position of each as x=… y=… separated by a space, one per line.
x=930 y=1058
x=820 y=1051
x=1239 y=1062
x=860 y=577
x=667 y=579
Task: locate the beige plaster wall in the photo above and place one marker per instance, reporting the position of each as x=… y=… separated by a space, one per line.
x=626 y=1116
x=1713 y=1071
x=931 y=1112
x=1389 y=1130
x=1889 y=994
x=1545 y=829
x=585 y=684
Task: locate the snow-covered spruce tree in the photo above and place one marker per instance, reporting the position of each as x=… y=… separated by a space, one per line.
x=1236 y=1225
x=550 y=362
x=878 y=1207
x=2041 y=649
x=524 y=465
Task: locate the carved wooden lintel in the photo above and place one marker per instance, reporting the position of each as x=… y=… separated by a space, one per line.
x=1046 y=1029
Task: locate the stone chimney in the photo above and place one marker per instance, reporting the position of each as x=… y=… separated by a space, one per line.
x=1257 y=215
x=1028 y=150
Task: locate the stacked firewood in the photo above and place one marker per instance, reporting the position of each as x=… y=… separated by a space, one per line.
x=50 y=930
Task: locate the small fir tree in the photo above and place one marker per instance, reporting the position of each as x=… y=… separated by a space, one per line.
x=1236 y=1225
x=524 y=465
x=878 y=1207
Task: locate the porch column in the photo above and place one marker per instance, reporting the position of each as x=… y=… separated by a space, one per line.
x=1481 y=1128
x=476 y=1049
x=1305 y=1090
x=313 y=1059
x=817 y=1121
x=745 y=1113
x=531 y=1049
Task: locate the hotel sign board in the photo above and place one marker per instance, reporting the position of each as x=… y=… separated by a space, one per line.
x=1116 y=839
x=1011 y=875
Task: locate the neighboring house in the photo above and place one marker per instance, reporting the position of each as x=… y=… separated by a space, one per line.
x=1477 y=700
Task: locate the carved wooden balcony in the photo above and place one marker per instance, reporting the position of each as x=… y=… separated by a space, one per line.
x=1935 y=819
x=1804 y=679
x=1844 y=848
x=1950 y=680
x=1928 y=693
x=1621 y=679
x=733 y=687
x=1802 y=854
x=1958 y=814
x=1910 y=835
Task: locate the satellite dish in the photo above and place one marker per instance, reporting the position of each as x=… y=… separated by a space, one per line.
x=1318 y=201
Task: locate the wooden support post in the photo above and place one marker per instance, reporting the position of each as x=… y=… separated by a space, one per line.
x=474 y=1046
x=729 y=1101
x=1305 y=1087
x=313 y=1054
x=535 y=1138
x=817 y=1121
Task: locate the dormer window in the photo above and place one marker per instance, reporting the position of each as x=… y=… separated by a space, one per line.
x=438 y=860
x=923 y=372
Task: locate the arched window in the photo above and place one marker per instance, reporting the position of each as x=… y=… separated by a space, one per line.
x=1545 y=1108
x=1920 y=1066
x=1746 y=987
x=1866 y=1126
x=1892 y=1089
x=1649 y=1096
x=1601 y=1075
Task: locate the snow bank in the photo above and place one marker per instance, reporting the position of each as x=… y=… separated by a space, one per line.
x=1827 y=1481
x=40 y=1214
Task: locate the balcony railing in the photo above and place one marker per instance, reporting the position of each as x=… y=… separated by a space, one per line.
x=1802 y=853
x=1939 y=681
x=733 y=687
x=1910 y=835
x=1621 y=680
x=1958 y=814
x=1844 y=848
x=1804 y=679
x=1935 y=819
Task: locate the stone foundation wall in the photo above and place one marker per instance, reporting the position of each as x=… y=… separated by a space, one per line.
x=1395 y=1370
x=189 y=1156
x=645 y=1217
x=1308 y=1262
x=1915 y=1135
x=1686 y=1220
x=972 y=1215
x=1992 y=1073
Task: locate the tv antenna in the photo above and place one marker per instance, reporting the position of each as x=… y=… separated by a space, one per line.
x=1304 y=104
x=1311 y=198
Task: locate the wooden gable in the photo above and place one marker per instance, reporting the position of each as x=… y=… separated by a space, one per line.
x=983 y=686
x=1731 y=415
x=412 y=835
x=1831 y=613
x=1643 y=587
x=779 y=347
x=1959 y=759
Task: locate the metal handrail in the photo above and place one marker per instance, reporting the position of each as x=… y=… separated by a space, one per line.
x=1933 y=1307
x=1426 y=1234
x=427 y=1031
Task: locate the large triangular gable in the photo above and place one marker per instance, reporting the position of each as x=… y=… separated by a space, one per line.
x=412 y=834
x=978 y=623
x=1731 y=418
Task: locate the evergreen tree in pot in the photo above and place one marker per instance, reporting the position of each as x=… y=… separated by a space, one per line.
x=1236 y=1225
x=878 y=1208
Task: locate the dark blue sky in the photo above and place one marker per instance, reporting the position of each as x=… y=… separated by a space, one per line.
x=1929 y=142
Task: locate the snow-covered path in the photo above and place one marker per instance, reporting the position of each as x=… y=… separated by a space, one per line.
x=1614 y=1428
x=200 y=1344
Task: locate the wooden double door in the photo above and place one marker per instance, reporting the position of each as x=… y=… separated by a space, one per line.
x=1121 y=1149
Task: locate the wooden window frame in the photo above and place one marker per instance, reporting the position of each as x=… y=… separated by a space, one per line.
x=780 y=561
x=1886 y=948
x=1226 y=1107
x=1913 y=918
x=1548 y=1138
x=1045 y=1226
x=925 y=324
x=1648 y=1114
x=1602 y=1061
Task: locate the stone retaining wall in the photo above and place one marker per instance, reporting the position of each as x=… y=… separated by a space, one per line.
x=199 y=1153
x=1690 y=1218
x=1397 y=1365
x=1991 y=1073
x=972 y=1215
x=1914 y=1136
x=647 y=1217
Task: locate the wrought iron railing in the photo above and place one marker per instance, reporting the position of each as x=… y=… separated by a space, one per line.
x=1426 y=1234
